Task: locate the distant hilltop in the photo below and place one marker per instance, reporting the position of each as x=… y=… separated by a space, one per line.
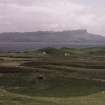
x=73 y=36
x=40 y=39
x=79 y=31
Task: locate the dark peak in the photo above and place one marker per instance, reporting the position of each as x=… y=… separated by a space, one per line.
x=80 y=31
x=47 y=32
x=76 y=30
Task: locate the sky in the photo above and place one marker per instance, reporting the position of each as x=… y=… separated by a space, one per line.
x=52 y=15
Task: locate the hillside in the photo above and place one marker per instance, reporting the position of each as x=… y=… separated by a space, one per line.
x=34 y=40
x=31 y=78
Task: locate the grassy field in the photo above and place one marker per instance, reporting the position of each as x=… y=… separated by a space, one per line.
x=51 y=78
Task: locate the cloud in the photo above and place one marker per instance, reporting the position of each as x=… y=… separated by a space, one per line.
x=33 y=15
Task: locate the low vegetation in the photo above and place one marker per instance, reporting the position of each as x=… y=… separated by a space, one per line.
x=53 y=77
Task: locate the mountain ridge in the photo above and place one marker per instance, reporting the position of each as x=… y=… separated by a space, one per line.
x=40 y=39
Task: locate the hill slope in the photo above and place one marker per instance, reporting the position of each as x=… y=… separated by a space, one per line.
x=40 y=39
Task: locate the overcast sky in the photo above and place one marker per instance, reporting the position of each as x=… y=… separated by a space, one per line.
x=33 y=15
